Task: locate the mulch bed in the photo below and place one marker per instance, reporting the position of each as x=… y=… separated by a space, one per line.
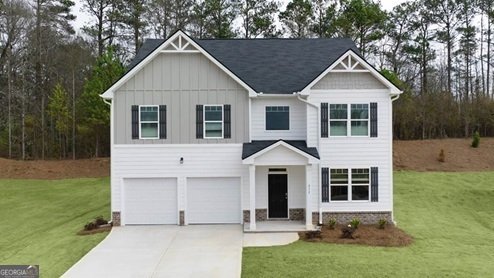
x=369 y=235
x=95 y=231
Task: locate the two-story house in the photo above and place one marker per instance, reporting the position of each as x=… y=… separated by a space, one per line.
x=242 y=131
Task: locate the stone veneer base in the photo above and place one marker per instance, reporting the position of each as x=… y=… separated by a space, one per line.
x=365 y=217
x=116 y=218
x=296 y=214
x=182 y=218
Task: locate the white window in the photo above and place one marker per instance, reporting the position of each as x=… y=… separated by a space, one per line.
x=350 y=184
x=213 y=121
x=349 y=122
x=148 y=122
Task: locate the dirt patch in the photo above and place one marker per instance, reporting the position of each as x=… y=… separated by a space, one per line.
x=54 y=169
x=459 y=156
x=369 y=235
x=95 y=231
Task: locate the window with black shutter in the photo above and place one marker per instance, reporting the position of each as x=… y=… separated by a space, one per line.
x=373 y=119
x=324 y=120
x=325 y=184
x=374 y=184
x=199 y=122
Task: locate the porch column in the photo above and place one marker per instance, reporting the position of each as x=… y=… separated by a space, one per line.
x=252 y=196
x=308 y=198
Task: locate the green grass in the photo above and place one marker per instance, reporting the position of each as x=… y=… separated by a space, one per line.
x=450 y=216
x=39 y=221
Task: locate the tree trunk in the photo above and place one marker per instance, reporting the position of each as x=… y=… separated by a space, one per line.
x=73 y=113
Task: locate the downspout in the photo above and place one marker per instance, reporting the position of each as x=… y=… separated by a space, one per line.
x=318 y=147
x=111 y=152
x=391 y=160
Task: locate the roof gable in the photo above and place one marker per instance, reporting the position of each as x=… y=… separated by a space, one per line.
x=177 y=43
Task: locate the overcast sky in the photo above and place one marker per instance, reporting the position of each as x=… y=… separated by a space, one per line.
x=82 y=18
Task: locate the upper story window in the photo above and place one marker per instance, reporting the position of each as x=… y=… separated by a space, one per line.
x=148 y=122
x=277 y=117
x=213 y=121
x=349 y=122
x=354 y=187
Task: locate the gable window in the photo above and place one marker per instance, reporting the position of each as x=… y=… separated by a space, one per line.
x=277 y=117
x=349 y=184
x=349 y=122
x=213 y=121
x=148 y=122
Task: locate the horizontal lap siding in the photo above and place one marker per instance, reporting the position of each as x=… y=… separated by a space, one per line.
x=298 y=122
x=354 y=152
x=181 y=81
x=164 y=161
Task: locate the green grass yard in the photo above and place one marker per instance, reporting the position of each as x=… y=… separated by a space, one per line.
x=450 y=216
x=39 y=221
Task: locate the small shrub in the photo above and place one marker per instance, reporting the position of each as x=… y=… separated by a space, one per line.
x=382 y=222
x=355 y=222
x=331 y=223
x=101 y=221
x=91 y=226
x=442 y=156
x=476 y=139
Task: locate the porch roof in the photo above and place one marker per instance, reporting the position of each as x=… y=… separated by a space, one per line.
x=254 y=147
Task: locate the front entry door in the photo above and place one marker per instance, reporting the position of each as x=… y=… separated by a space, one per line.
x=278 y=196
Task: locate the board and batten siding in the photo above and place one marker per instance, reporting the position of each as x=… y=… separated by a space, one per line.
x=298 y=118
x=181 y=81
x=163 y=161
x=356 y=152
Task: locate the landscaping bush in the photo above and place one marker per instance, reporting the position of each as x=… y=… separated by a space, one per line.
x=382 y=222
x=476 y=139
x=101 y=221
x=91 y=226
x=331 y=223
x=442 y=156
x=355 y=222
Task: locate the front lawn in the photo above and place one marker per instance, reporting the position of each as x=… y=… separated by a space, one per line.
x=450 y=216
x=39 y=221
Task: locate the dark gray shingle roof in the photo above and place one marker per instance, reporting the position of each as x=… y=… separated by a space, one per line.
x=257 y=146
x=271 y=66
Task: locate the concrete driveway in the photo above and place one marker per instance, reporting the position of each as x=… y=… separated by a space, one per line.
x=165 y=251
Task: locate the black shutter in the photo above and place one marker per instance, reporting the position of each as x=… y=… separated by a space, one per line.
x=135 y=122
x=373 y=119
x=325 y=184
x=324 y=120
x=162 y=121
x=374 y=184
x=227 y=133
x=199 y=122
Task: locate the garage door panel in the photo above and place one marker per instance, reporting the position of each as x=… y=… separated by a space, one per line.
x=213 y=200
x=150 y=201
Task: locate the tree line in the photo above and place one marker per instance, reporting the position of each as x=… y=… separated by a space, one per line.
x=439 y=52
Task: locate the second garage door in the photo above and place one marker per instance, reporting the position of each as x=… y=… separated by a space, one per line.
x=213 y=200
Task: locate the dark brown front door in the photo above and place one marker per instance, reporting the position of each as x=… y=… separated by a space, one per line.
x=278 y=196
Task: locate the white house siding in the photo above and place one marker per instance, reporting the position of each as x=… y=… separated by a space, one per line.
x=181 y=81
x=296 y=186
x=153 y=161
x=355 y=152
x=298 y=116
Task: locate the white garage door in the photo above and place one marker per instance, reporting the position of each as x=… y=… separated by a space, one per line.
x=150 y=201
x=213 y=200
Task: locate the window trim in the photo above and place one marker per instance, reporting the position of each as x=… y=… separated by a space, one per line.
x=350 y=185
x=205 y=122
x=149 y=122
x=348 y=120
x=277 y=130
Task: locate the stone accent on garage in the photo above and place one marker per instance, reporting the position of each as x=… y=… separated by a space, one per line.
x=116 y=218
x=297 y=214
x=366 y=217
x=182 y=218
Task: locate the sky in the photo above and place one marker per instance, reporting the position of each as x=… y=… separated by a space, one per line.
x=82 y=18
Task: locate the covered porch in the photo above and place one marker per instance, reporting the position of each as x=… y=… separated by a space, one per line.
x=282 y=185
